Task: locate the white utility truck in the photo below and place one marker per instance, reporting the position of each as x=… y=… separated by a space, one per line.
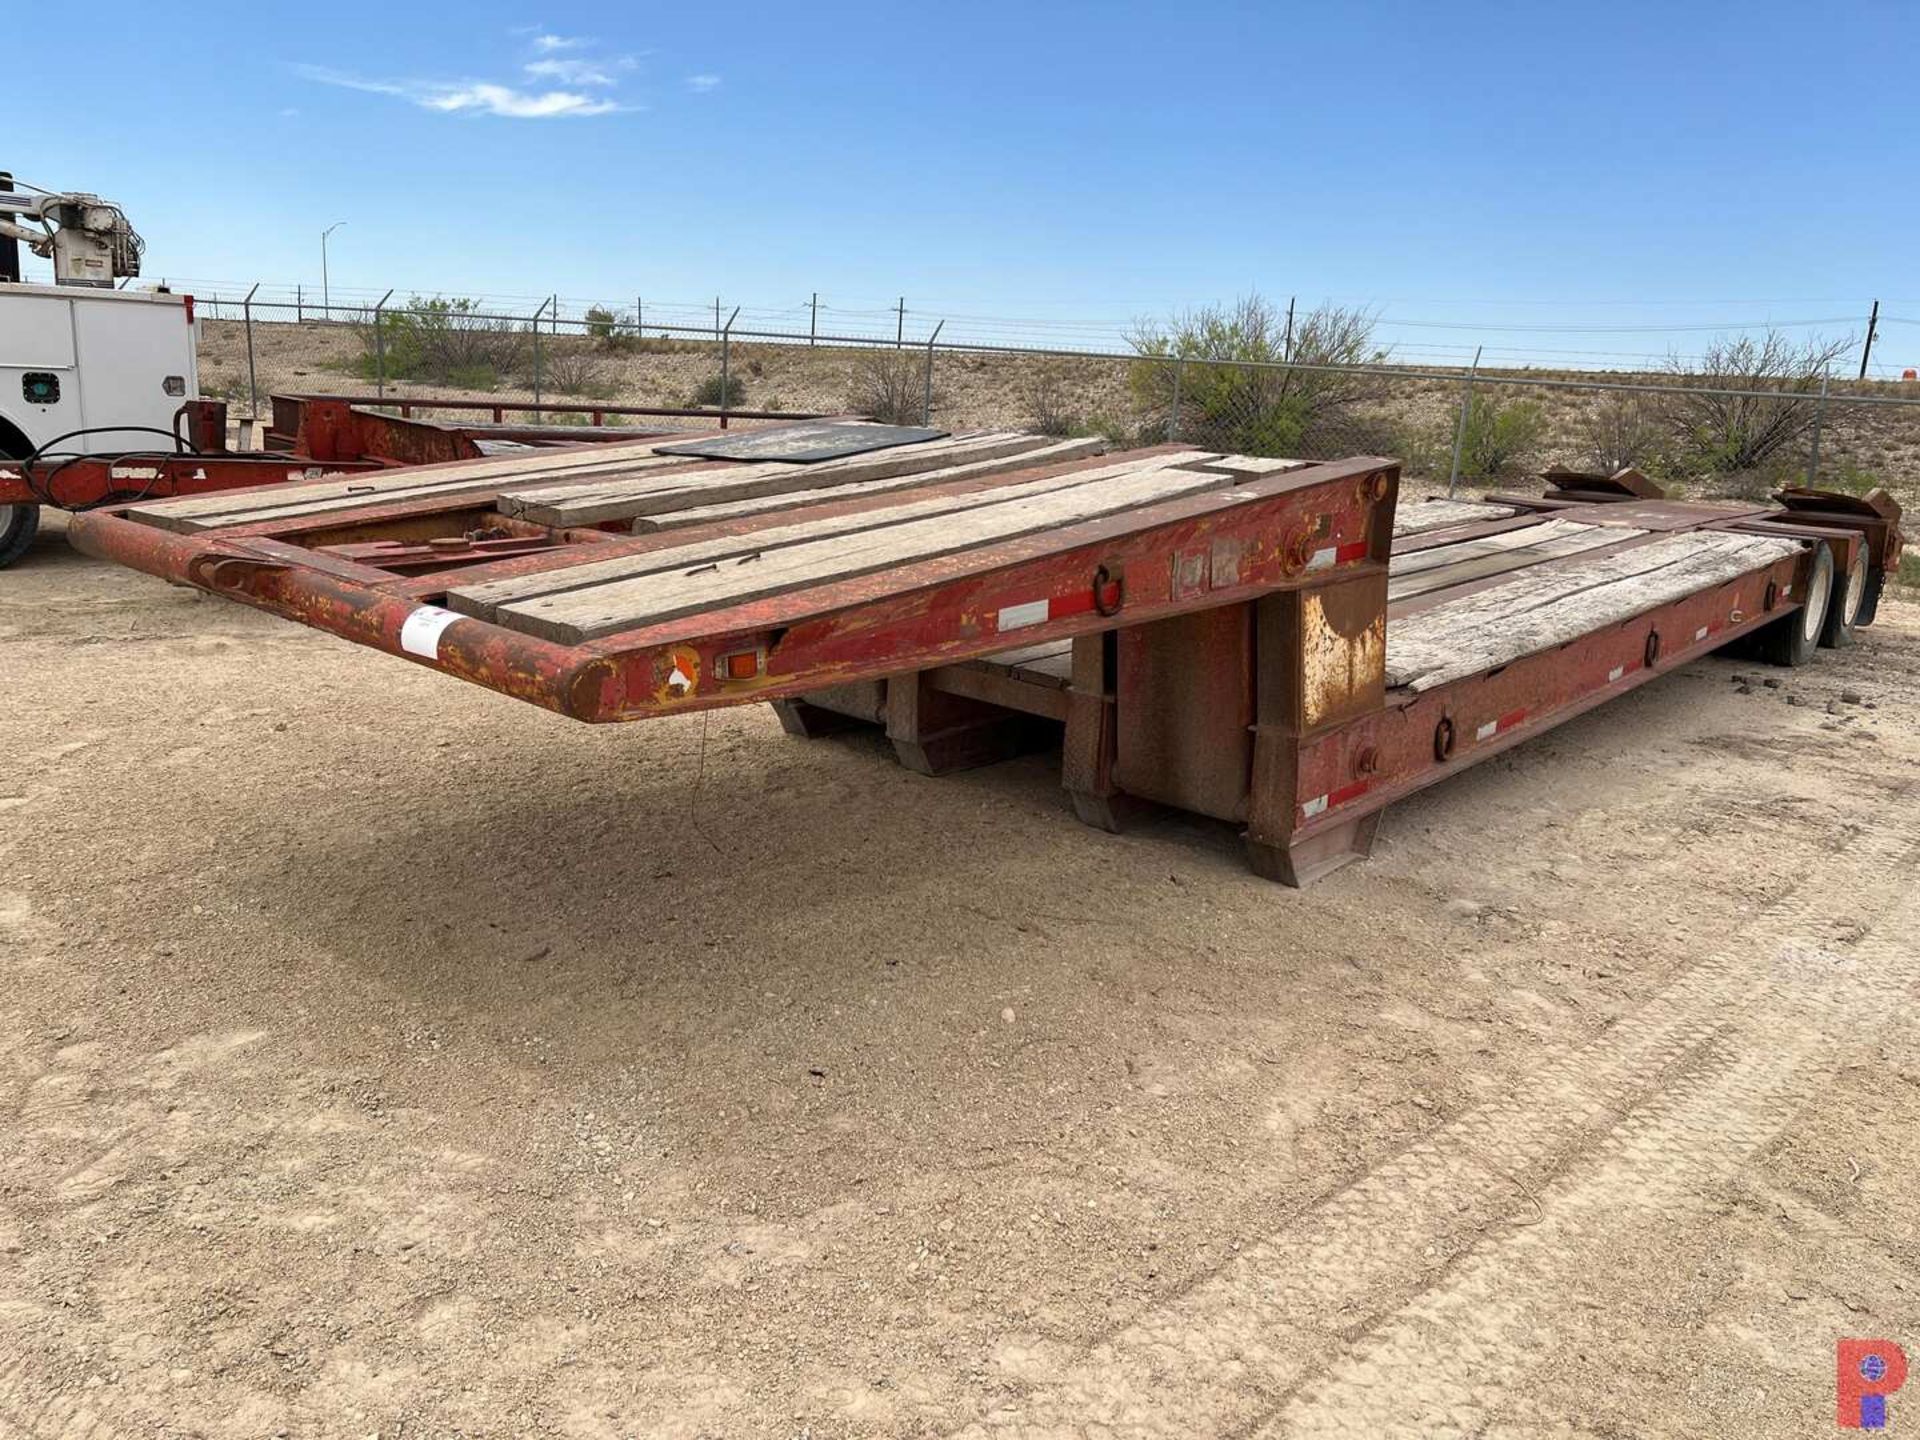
x=84 y=368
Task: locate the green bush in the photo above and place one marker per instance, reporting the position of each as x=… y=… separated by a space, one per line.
x=1501 y=437
x=440 y=338
x=715 y=392
x=1238 y=385
x=601 y=322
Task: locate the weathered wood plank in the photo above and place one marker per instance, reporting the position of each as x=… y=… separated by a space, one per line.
x=654 y=495
x=1251 y=467
x=233 y=507
x=1425 y=571
x=1056 y=453
x=647 y=599
x=1543 y=608
x=1424 y=515
x=483 y=599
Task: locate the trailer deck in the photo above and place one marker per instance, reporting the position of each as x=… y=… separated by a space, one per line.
x=1271 y=642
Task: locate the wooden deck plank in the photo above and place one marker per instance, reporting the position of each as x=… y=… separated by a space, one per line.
x=648 y=599
x=1425 y=515
x=233 y=507
x=482 y=600
x=1539 y=609
x=648 y=495
x=1056 y=453
x=1450 y=565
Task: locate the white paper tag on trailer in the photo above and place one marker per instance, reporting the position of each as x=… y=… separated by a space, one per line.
x=420 y=632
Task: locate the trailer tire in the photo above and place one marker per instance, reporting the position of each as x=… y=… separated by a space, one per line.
x=1844 y=603
x=1792 y=639
x=1870 y=602
x=18 y=525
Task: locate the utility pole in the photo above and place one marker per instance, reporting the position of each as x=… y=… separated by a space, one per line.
x=1287 y=351
x=326 y=293
x=813 y=322
x=1873 y=324
x=900 y=330
x=716 y=317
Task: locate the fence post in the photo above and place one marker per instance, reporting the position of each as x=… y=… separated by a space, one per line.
x=813 y=322
x=380 y=347
x=716 y=317
x=253 y=381
x=926 y=404
x=299 y=306
x=900 y=326
x=1813 y=455
x=726 y=363
x=1460 y=430
x=639 y=318
x=1173 y=419
x=536 y=356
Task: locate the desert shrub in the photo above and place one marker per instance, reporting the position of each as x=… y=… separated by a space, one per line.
x=1844 y=475
x=1722 y=434
x=716 y=391
x=574 y=370
x=1501 y=437
x=1047 y=398
x=601 y=322
x=1624 y=429
x=435 y=338
x=890 y=386
x=1240 y=387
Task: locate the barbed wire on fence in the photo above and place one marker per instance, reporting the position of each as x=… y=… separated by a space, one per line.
x=1458 y=423
x=1408 y=335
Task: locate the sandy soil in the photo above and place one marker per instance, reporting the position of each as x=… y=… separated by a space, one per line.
x=385 y=1057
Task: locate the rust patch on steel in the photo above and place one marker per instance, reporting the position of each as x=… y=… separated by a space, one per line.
x=1344 y=654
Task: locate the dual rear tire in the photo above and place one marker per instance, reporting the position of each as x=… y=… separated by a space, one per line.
x=1792 y=639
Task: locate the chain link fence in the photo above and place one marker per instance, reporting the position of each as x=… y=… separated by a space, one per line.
x=1449 y=428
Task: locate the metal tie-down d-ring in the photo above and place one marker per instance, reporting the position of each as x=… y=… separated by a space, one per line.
x=1101 y=579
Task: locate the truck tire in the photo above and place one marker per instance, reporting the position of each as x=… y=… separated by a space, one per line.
x=18 y=525
x=1870 y=602
x=1792 y=639
x=1844 y=602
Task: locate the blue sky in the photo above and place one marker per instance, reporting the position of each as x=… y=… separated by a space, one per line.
x=1490 y=167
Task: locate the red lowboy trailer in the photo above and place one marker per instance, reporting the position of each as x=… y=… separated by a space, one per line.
x=1274 y=643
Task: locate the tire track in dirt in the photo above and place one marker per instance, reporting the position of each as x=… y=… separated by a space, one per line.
x=1448 y=1361
x=28 y=1409
x=1222 y=1356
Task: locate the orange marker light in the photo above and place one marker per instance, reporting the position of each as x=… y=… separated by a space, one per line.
x=741 y=665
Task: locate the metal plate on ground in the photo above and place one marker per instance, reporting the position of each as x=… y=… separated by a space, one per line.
x=804 y=444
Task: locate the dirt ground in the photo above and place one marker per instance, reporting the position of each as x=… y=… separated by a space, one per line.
x=384 y=1057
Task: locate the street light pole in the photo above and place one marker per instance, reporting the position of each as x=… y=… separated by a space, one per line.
x=326 y=296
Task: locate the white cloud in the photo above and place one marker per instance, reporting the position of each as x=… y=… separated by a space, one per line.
x=550 y=43
x=700 y=84
x=514 y=104
x=579 y=72
x=476 y=97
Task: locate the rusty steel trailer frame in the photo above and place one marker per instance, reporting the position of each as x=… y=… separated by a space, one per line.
x=1227 y=647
